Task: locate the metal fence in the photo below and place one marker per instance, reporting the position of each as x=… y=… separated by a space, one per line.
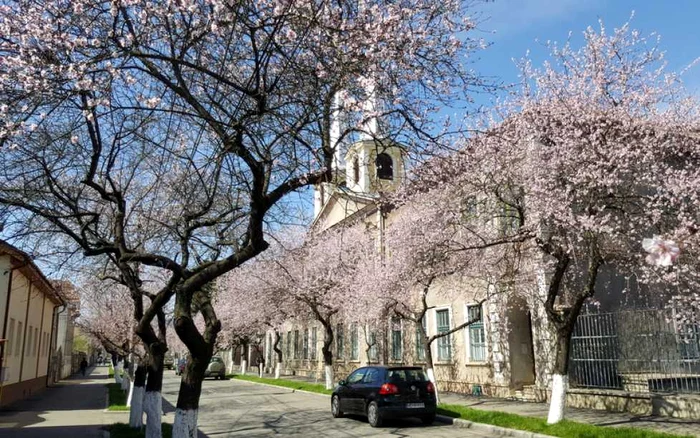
x=635 y=351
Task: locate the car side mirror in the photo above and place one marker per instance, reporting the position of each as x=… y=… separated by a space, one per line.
x=342 y=383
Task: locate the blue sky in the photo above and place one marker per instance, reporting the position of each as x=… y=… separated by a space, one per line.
x=514 y=26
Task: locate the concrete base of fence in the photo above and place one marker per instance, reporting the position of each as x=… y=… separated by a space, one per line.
x=672 y=405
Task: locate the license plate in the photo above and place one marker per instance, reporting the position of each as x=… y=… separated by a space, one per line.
x=415 y=405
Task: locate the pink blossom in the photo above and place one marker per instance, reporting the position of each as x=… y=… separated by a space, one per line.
x=661 y=252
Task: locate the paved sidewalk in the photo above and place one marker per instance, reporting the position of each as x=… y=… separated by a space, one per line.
x=598 y=418
x=72 y=408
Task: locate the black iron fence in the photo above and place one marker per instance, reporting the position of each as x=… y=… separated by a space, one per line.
x=635 y=351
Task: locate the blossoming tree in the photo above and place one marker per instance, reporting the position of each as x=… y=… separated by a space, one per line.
x=162 y=134
x=597 y=152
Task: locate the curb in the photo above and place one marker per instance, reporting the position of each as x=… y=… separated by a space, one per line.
x=455 y=422
x=488 y=428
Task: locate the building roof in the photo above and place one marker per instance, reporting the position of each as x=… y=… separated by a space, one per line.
x=23 y=262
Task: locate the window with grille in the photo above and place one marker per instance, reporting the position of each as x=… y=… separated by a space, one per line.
x=18 y=344
x=444 y=344
x=689 y=341
x=477 y=336
x=374 y=348
x=10 y=338
x=354 y=343
x=396 y=341
x=420 y=347
x=296 y=344
x=28 y=350
x=339 y=341
x=289 y=345
x=314 y=342
x=306 y=344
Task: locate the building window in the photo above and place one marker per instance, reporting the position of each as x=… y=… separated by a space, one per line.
x=444 y=344
x=306 y=344
x=10 y=338
x=314 y=342
x=385 y=166
x=268 y=356
x=28 y=350
x=420 y=347
x=289 y=345
x=689 y=341
x=297 y=350
x=374 y=348
x=354 y=343
x=340 y=341
x=355 y=170
x=477 y=336
x=18 y=344
x=36 y=341
x=396 y=341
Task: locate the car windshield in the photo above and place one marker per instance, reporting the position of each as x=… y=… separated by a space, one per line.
x=216 y=359
x=407 y=375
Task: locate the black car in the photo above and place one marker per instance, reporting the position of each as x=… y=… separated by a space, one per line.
x=381 y=392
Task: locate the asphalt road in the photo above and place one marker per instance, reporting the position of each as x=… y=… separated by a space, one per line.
x=233 y=408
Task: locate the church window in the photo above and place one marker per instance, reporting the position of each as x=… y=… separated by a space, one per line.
x=355 y=171
x=385 y=166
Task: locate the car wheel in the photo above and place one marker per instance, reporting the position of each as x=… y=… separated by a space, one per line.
x=374 y=416
x=428 y=419
x=335 y=407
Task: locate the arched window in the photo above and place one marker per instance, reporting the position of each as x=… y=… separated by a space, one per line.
x=385 y=166
x=355 y=171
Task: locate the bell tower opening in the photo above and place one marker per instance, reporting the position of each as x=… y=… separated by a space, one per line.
x=385 y=166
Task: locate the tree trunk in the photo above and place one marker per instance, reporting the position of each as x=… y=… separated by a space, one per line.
x=560 y=378
x=328 y=354
x=153 y=400
x=185 y=425
x=137 y=396
x=429 y=365
x=201 y=349
x=278 y=353
x=244 y=358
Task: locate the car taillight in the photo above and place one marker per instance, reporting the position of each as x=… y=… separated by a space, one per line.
x=389 y=388
x=430 y=388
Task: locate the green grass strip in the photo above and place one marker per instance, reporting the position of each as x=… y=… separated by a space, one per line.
x=292 y=384
x=117 y=398
x=563 y=429
x=111 y=371
x=121 y=430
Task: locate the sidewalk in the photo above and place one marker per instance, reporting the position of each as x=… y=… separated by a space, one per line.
x=72 y=408
x=599 y=418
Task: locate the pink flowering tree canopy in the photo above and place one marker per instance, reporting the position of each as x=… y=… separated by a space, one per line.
x=163 y=134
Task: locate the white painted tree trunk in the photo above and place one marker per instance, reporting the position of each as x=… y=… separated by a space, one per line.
x=136 y=411
x=185 y=425
x=244 y=366
x=278 y=370
x=560 y=384
x=126 y=382
x=431 y=377
x=153 y=407
x=329 y=376
x=260 y=370
x=131 y=394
